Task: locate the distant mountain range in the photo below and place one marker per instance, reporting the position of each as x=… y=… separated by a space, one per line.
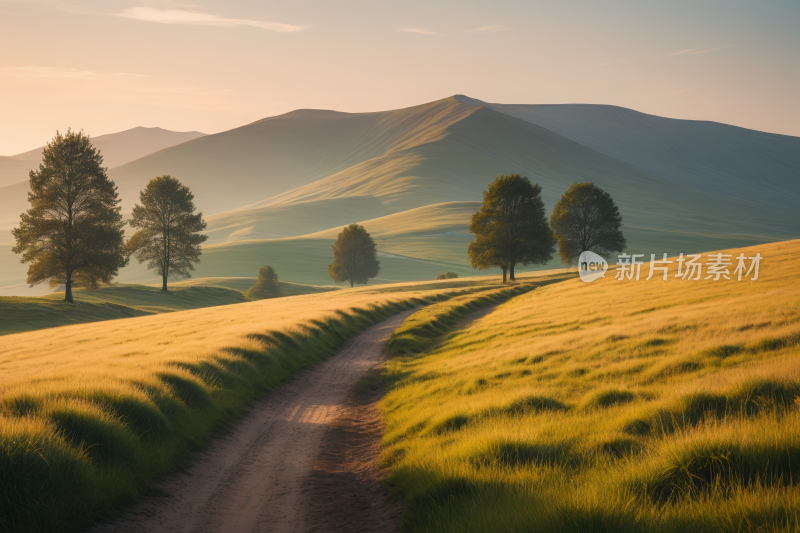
x=275 y=190
x=117 y=149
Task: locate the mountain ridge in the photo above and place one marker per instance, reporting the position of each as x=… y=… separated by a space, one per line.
x=708 y=155
x=276 y=190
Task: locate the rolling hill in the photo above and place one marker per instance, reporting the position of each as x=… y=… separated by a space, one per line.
x=713 y=157
x=247 y=165
x=275 y=191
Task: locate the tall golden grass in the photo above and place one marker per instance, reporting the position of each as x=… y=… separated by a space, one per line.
x=91 y=414
x=610 y=406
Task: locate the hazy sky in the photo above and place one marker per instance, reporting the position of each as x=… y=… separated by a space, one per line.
x=211 y=65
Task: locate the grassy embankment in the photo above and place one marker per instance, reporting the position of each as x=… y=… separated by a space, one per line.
x=610 y=406
x=22 y=313
x=91 y=414
x=424 y=328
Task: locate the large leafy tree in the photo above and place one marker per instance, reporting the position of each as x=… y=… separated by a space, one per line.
x=354 y=256
x=586 y=219
x=266 y=285
x=168 y=235
x=72 y=234
x=511 y=227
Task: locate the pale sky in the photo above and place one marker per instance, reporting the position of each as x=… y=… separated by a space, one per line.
x=212 y=65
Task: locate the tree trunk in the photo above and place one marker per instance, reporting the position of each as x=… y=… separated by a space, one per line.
x=68 y=288
x=164 y=284
x=351 y=282
x=504 y=274
x=511 y=272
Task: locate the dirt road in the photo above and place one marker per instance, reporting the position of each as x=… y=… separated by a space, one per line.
x=257 y=477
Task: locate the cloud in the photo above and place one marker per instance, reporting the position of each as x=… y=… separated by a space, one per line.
x=695 y=51
x=420 y=30
x=61 y=72
x=487 y=29
x=688 y=51
x=193 y=18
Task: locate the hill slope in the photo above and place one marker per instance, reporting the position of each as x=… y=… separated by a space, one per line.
x=239 y=167
x=298 y=175
x=709 y=156
x=124 y=301
x=625 y=406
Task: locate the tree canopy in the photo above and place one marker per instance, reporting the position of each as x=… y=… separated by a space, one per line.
x=266 y=285
x=511 y=227
x=354 y=256
x=168 y=237
x=72 y=234
x=586 y=219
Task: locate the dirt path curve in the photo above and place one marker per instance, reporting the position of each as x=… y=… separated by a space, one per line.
x=253 y=478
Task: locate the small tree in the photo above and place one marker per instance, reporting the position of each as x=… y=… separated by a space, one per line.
x=354 y=256
x=266 y=285
x=72 y=234
x=511 y=227
x=586 y=219
x=447 y=275
x=168 y=236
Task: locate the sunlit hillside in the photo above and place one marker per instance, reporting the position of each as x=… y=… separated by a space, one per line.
x=609 y=406
x=24 y=313
x=91 y=414
x=246 y=165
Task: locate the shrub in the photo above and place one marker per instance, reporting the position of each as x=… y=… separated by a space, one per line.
x=447 y=275
x=266 y=284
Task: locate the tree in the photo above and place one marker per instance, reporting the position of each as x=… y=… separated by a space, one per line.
x=447 y=275
x=266 y=285
x=586 y=219
x=354 y=256
x=72 y=234
x=168 y=235
x=511 y=227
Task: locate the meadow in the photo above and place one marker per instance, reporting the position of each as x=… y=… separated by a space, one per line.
x=631 y=406
x=24 y=313
x=91 y=414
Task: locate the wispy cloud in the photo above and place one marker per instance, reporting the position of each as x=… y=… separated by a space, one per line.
x=487 y=29
x=194 y=18
x=695 y=51
x=420 y=30
x=688 y=51
x=62 y=72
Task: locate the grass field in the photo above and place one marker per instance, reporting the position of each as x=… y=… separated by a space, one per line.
x=422 y=329
x=90 y=414
x=22 y=313
x=612 y=406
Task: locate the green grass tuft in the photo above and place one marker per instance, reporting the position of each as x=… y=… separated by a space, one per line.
x=609 y=398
